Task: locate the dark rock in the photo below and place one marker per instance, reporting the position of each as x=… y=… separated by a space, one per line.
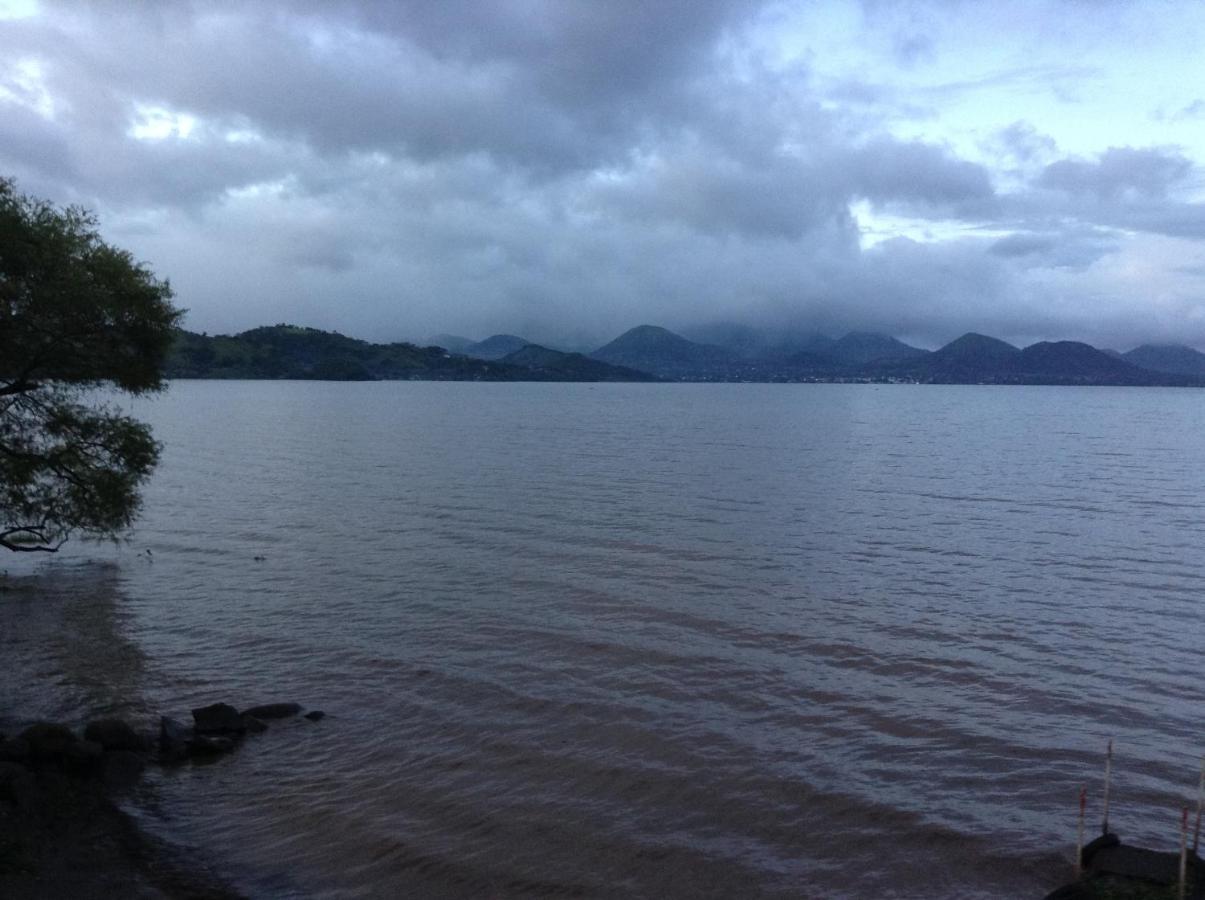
x=205 y=745
x=17 y=786
x=1077 y=890
x=315 y=715
x=1103 y=842
x=218 y=718
x=1135 y=863
x=122 y=768
x=273 y=710
x=14 y=750
x=115 y=734
x=48 y=741
x=254 y=725
x=173 y=739
x=83 y=756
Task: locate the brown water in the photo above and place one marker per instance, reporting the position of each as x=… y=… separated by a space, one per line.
x=649 y=640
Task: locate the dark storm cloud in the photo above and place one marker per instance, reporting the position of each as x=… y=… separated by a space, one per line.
x=562 y=168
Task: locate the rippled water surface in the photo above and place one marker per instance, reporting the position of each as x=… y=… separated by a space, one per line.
x=649 y=640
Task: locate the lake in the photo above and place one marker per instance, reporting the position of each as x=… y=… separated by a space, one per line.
x=649 y=640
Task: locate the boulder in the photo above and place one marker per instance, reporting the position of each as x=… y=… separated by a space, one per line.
x=218 y=718
x=173 y=739
x=115 y=734
x=14 y=750
x=122 y=768
x=83 y=756
x=254 y=725
x=206 y=745
x=273 y=710
x=17 y=786
x=49 y=741
x=315 y=715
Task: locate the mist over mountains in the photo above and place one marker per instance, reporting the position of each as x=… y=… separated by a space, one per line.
x=652 y=353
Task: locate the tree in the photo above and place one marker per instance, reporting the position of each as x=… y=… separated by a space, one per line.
x=79 y=319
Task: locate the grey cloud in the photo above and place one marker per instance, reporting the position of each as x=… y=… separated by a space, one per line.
x=1120 y=171
x=560 y=168
x=1023 y=245
x=1072 y=248
x=919 y=174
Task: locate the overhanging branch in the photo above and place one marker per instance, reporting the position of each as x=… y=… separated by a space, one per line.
x=29 y=539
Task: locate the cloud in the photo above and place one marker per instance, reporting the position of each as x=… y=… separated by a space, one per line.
x=568 y=168
x=1119 y=172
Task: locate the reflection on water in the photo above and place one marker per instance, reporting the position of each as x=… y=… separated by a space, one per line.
x=67 y=654
x=661 y=640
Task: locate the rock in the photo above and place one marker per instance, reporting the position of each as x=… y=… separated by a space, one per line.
x=1102 y=842
x=218 y=718
x=48 y=741
x=83 y=756
x=273 y=710
x=315 y=715
x=14 y=750
x=115 y=734
x=122 y=768
x=205 y=745
x=1078 y=890
x=17 y=786
x=254 y=725
x=173 y=739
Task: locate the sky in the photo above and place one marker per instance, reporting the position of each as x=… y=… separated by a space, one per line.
x=568 y=169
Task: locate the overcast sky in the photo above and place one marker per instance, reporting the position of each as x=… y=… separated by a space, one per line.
x=566 y=169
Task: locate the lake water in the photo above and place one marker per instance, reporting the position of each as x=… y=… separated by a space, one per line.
x=649 y=640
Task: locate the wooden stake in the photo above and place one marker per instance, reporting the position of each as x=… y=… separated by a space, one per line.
x=1196 y=832
x=1104 y=828
x=1183 y=852
x=1079 y=841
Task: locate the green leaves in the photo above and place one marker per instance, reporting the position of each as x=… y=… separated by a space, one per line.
x=75 y=313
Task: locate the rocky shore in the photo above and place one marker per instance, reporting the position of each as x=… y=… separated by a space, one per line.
x=62 y=833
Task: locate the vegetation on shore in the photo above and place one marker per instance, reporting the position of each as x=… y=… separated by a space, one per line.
x=76 y=313
x=292 y=352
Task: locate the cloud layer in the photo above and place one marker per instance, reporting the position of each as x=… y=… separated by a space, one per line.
x=566 y=169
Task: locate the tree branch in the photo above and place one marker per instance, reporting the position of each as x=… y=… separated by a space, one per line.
x=29 y=539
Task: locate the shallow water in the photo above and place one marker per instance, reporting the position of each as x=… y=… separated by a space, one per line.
x=650 y=640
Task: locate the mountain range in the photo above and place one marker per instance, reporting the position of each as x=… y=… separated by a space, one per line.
x=651 y=353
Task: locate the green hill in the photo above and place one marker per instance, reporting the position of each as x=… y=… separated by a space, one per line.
x=571 y=366
x=292 y=352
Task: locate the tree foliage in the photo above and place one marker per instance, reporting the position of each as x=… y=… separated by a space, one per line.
x=78 y=319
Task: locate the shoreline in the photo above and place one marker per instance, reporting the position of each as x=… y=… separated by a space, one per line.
x=63 y=832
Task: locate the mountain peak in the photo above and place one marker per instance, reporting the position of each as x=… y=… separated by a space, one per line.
x=495 y=346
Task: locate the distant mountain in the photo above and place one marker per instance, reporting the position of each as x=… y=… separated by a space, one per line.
x=495 y=347
x=1073 y=362
x=1175 y=359
x=968 y=359
x=288 y=351
x=861 y=347
x=978 y=359
x=453 y=342
x=571 y=366
x=291 y=352
x=660 y=352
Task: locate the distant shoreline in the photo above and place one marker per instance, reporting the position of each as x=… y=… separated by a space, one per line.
x=651 y=354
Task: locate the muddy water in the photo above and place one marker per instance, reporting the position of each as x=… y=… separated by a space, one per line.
x=649 y=640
